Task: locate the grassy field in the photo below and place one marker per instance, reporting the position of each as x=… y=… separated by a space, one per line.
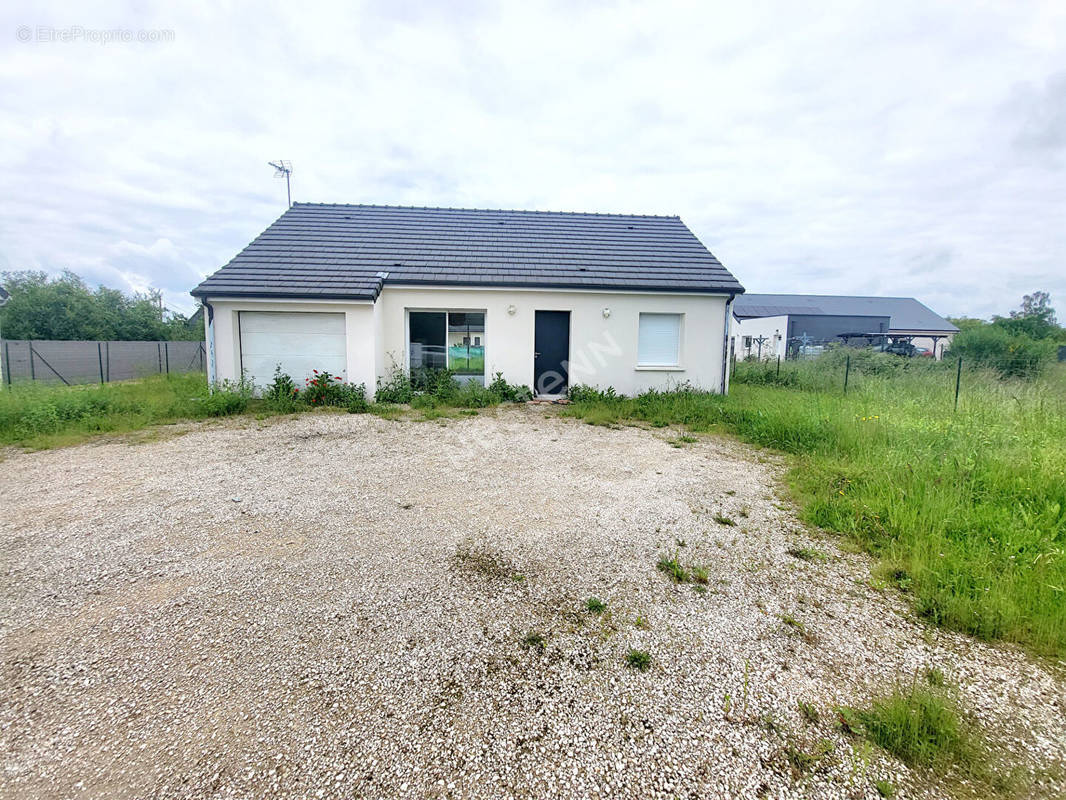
x=40 y=415
x=965 y=510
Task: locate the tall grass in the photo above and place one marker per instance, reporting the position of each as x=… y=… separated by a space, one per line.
x=966 y=510
x=40 y=415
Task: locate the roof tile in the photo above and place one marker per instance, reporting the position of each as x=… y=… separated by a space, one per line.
x=339 y=250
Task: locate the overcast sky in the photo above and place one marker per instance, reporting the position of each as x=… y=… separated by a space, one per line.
x=898 y=148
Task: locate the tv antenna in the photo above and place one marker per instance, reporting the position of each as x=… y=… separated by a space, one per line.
x=283 y=167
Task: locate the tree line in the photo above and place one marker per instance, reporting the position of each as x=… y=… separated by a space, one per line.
x=65 y=307
x=1021 y=345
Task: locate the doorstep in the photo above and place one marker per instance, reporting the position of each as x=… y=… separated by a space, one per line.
x=548 y=399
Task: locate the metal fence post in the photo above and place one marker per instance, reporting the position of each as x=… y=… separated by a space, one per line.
x=100 y=359
x=33 y=372
x=45 y=362
x=7 y=361
x=958 y=380
x=779 y=366
x=159 y=352
x=107 y=350
x=847 y=371
x=166 y=350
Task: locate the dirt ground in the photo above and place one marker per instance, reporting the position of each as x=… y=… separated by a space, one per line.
x=339 y=605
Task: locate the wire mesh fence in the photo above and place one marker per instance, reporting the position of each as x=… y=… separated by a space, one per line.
x=770 y=348
x=847 y=370
x=96 y=362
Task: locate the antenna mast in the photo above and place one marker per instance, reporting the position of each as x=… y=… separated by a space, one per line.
x=283 y=167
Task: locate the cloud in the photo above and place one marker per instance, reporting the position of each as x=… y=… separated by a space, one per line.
x=912 y=148
x=1042 y=115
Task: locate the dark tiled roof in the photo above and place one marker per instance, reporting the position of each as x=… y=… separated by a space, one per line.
x=906 y=313
x=349 y=251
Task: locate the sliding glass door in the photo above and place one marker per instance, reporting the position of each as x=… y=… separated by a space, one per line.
x=452 y=340
x=428 y=342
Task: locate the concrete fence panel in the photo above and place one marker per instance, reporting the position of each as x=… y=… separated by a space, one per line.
x=96 y=362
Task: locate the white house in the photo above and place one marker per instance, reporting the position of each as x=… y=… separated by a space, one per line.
x=770 y=325
x=548 y=299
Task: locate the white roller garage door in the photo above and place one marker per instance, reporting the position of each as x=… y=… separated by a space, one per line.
x=299 y=341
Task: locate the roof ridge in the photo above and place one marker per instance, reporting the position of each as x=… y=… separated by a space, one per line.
x=749 y=295
x=493 y=210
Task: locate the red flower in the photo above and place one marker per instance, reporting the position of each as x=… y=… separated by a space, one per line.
x=337 y=378
x=315 y=371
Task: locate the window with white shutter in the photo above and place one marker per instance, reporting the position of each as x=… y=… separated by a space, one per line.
x=659 y=340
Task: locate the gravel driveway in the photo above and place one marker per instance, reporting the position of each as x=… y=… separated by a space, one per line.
x=344 y=606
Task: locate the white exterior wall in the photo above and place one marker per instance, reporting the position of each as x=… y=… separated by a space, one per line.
x=942 y=343
x=360 y=327
x=603 y=350
x=775 y=329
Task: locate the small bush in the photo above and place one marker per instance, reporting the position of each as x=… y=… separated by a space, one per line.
x=509 y=392
x=595 y=605
x=473 y=395
x=353 y=398
x=222 y=403
x=591 y=394
x=440 y=387
x=41 y=418
x=323 y=389
x=281 y=394
x=395 y=388
x=440 y=383
x=228 y=398
x=1012 y=355
x=639 y=660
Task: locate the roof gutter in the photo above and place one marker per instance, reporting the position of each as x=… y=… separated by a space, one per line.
x=209 y=337
x=725 y=343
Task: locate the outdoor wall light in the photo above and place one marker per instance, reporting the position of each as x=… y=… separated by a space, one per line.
x=606 y=312
x=511 y=309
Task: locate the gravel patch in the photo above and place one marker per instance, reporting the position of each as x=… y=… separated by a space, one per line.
x=335 y=605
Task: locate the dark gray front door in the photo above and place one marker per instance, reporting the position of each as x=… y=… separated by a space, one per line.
x=551 y=352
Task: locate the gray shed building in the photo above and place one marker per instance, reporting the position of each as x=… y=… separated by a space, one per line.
x=769 y=325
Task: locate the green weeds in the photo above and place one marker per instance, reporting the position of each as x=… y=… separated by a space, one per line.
x=595 y=605
x=639 y=660
x=42 y=415
x=968 y=508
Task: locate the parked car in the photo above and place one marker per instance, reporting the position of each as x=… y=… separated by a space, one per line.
x=905 y=349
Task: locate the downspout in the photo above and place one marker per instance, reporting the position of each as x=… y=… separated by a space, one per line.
x=725 y=343
x=209 y=336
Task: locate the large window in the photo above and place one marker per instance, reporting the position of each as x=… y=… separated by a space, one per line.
x=448 y=339
x=659 y=340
